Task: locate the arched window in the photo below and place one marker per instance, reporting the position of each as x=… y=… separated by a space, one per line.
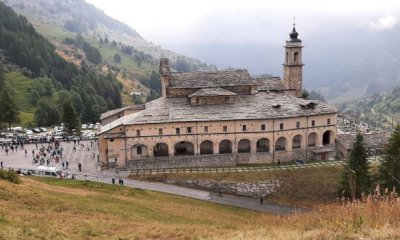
x=296 y=56
x=287 y=56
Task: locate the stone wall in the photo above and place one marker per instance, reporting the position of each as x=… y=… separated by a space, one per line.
x=184 y=162
x=256 y=189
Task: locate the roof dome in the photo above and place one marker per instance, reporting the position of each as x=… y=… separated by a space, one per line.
x=293 y=35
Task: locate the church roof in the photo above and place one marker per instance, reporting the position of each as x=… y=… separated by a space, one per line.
x=210 y=92
x=270 y=84
x=258 y=106
x=118 y=110
x=208 y=79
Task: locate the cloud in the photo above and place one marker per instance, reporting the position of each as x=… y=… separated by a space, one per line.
x=383 y=23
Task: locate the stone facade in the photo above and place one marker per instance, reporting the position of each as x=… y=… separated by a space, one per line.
x=203 y=117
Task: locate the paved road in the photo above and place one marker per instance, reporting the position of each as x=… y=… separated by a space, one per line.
x=90 y=169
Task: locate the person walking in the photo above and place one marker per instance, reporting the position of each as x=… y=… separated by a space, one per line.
x=26 y=152
x=113 y=180
x=122 y=182
x=261 y=200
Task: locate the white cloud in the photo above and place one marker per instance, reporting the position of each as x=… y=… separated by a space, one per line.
x=383 y=23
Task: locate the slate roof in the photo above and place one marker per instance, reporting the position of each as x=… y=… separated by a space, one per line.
x=118 y=110
x=270 y=84
x=209 y=92
x=209 y=79
x=258 y=106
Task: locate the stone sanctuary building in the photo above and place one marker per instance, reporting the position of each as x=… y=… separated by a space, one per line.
x=222 y=118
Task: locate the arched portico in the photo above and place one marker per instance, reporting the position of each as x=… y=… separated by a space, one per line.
x=312 y=139
x=206 y=147
x=263 y=145
x=139 y=151
x=296 y=142
x=244 y=146
x=225 y=146
x=160 y=150
x=184 y=148
x=281 y=144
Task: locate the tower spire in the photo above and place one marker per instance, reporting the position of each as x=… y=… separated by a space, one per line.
x=293 y=35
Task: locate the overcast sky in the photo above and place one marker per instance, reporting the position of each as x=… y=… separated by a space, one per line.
x=169 y=21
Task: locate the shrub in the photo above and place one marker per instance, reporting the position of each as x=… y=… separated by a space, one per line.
x=10 y=176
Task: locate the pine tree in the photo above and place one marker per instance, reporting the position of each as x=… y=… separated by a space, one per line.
x=70 y=118
x=8 y=109
x=356 y=178
x=389 y=171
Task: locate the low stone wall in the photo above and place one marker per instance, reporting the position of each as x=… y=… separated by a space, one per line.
x=223 y=160
x=256 y=189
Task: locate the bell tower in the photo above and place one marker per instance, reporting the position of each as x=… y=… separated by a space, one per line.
x=293 y=65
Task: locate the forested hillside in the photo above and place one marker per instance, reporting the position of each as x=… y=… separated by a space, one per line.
x=39 y=81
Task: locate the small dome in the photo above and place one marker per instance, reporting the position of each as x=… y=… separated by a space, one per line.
x=293 y=35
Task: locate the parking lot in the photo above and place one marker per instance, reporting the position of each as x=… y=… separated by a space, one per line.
x=85 y=152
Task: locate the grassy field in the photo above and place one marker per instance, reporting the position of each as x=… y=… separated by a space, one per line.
x=302 y=187
x=66 y=209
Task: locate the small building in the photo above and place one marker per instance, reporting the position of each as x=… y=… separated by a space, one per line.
x=223 y=118
x=375 y=143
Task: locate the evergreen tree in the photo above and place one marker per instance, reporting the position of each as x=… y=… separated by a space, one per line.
x=8 y=108
x=117 y=58
x=389 y=171
x=70 y=118
x=356 y=178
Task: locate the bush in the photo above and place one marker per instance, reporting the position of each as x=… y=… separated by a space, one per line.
x=10 y=176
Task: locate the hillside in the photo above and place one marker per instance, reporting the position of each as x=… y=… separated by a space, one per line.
x=381 y=109
x=40 y=81
x=58 y=20
x=45 y=208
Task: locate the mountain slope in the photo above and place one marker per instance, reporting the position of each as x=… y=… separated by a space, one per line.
x=381 y=109
x=40 y=80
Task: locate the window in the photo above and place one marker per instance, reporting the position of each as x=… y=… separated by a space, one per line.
x=297 y=124
x=139 y=150
x=328 y=121
x=281 y=126
x=313 y=123
x=138 y=133
x=225 y=128
x=160 y=131
x=189 y=129
x=178 y=131
x=263 y=127
x=244 y=128
x=205 y=128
